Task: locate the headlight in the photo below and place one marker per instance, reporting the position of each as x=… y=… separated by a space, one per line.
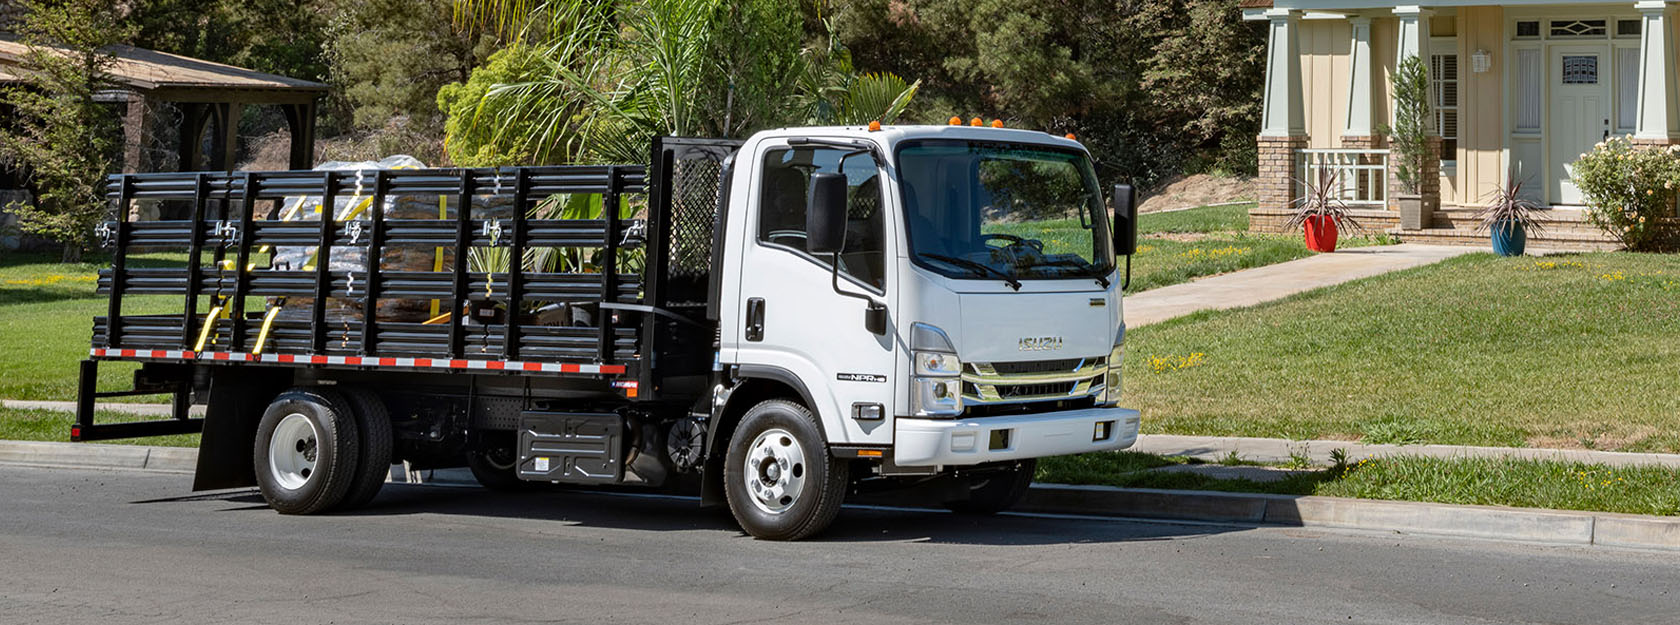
x=1116 y=356
x=937 y=364
x=936 y=388
x=936 y=397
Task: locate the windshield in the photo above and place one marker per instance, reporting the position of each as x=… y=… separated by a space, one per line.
x=1003 y=210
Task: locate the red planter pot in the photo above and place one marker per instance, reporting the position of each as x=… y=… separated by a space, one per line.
x=1321 y=234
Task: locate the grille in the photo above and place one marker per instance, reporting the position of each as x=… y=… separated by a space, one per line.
x=1017 y=391
x=1037 y=366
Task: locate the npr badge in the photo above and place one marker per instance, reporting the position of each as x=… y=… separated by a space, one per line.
x=860 y=377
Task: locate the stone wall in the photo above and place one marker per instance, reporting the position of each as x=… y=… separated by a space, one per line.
x=1274 y=186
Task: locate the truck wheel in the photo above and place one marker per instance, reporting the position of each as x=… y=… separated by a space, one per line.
x=373 y=465
x=780 y=480
x=497 y=468
x=306 y=451
x=996 y=491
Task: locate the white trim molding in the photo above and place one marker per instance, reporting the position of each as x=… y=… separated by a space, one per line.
x=1360 y=92
x=1282 y=114
x=1412 y=24
x=1658 y=117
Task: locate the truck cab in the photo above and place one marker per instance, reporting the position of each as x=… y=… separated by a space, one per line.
x=945 y=299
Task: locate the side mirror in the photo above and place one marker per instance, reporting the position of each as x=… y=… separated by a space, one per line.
x=1125 y=220
x=825 y=214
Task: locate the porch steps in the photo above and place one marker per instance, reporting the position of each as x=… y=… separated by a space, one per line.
x=1563 y=230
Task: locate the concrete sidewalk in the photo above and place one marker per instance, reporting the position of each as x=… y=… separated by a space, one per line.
x=1263 y=284
x=1213 y=448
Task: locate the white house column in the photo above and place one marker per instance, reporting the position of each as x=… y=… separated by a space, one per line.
x=1282 y=115
x=1359 y=97
x=1657 y=116
x=1414 y=41
x=1283 y=124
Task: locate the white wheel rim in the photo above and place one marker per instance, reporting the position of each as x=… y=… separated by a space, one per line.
x=775 y=471
x=292 y=452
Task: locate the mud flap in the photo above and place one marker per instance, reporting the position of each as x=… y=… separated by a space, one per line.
x=236 y=403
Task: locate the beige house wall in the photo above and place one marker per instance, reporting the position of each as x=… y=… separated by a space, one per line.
x=1325 y=45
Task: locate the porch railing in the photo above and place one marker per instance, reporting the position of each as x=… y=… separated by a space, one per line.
x=1361 y=176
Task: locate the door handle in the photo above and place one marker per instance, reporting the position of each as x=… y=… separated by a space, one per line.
x=755 y=319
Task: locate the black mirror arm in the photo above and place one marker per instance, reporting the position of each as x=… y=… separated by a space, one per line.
x=875 y=318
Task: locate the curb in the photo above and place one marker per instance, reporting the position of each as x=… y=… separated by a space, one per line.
x=1566 y=527
x=1562 y=527
x=89 y=456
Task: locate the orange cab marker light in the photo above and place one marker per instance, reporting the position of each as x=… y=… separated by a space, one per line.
x=956 y=121
x=875 y=126
x=1070 y=137
x=997 y=123
x=975 y=122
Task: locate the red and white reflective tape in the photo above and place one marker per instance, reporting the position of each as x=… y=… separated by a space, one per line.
x=363 y=361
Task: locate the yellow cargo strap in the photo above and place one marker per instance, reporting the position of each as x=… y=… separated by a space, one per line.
x=268 y=321
x=437 y=261
x=209 y=323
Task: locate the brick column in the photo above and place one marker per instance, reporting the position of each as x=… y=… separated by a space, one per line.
x=1275 y=186
x=1429 y=187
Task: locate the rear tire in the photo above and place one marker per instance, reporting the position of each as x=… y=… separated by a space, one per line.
x=306 y=451
x=497 y=468
x=373 y=465
x=781 y=482
x=994 y=492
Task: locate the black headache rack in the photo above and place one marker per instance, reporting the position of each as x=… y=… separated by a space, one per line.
x=268 y=282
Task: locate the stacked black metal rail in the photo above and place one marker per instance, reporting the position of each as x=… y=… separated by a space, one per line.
x=225 y=227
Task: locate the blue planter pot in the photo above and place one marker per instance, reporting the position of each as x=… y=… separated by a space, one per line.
x=1509 y=238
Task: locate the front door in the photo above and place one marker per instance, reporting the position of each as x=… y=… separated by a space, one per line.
x=793 y=319
x=1580 y=113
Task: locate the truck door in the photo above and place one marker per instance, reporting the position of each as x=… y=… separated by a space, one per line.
x=791 y=319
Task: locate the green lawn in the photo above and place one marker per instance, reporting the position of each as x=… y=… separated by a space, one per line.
x=1481 y=481
x=46 y=322
x=1180 y=246
x=52 y=425
x=1576 y=351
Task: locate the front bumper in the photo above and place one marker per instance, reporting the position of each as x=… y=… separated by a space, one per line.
x=925 y=442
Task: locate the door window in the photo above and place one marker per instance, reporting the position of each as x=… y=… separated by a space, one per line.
x=781 y=213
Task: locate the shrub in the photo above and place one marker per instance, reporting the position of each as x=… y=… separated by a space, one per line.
x=1630 y=190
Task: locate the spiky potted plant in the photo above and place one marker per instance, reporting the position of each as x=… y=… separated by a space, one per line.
x=1320 y=212
x=1509 y=216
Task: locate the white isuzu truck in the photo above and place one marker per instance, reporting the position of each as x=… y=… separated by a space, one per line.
x=784 y=320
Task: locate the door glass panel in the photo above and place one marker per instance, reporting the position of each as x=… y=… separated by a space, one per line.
x=781 y=215
x=1627 y=88
x=1528 y=90
x=1580 y=69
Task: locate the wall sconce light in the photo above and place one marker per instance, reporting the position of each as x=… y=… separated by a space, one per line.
x=1480 y=61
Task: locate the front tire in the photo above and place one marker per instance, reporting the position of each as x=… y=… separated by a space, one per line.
x=306 y=451
x=778 y=476
x=995 y=491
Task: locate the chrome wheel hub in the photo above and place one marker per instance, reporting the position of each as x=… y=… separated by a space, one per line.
x=775 y=470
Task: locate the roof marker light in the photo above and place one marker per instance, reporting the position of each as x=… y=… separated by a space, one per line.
x=956 y=121
x=1070 y=137
x=997 y=123
x=975 y=122
x=875 y=126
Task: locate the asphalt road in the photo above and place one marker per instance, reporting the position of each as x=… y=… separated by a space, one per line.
x=130 y=547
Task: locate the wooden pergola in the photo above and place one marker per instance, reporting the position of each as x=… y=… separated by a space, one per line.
x=208 y=95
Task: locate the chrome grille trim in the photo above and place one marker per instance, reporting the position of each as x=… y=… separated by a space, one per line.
x=982 y=384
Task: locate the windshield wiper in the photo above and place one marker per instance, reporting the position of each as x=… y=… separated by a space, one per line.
x=980 y=267
x=1091 y=267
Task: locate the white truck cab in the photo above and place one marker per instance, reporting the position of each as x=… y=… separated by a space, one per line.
x=973 y=321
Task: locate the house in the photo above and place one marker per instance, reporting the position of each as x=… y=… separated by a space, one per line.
x=1522 y=88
